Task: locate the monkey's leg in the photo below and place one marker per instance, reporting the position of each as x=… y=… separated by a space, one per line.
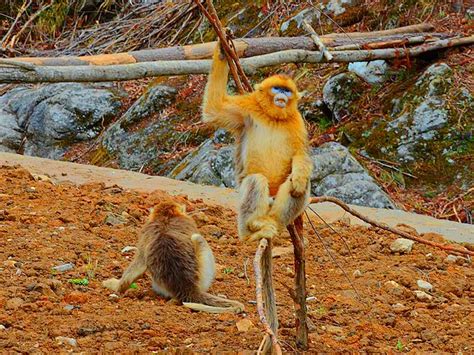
x=286 y=208
x=206 y=262
x=133 y=272
x=254 y=206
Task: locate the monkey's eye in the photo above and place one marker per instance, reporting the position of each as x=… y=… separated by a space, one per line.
x=281 y=90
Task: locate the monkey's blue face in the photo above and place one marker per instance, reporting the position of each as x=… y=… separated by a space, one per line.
x=281 y=95
x=281 y=90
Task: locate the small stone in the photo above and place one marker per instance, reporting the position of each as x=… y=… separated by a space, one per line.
x=422 y=296
x=39 y=177
x=113 y=296
x=357 y=273
x=244 y=325
x=391 y=284
x=2 y=327
x=69 y=307
x=424 y=286
x=66 y=340
x=399 y=308
x=241 y=275
x=334 y=329
x=128 y=249
x=114 y=220
x=63 y=267
x=451 y=258
x=401 y=245
x=31 y=189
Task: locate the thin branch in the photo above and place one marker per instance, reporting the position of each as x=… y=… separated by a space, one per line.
x=388 y=228
x=12 y=27
x=28 y=23
x=317 y=40
x=258 y=288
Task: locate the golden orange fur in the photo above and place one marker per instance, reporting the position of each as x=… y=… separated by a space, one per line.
x=271 y=140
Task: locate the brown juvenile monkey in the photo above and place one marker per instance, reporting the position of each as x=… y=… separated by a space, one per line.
x=272 y=158
x=179 y=259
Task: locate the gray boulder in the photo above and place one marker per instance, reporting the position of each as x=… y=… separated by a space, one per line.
x=374 y=72
x=339 y=92
x=52 y=117
x=422 y=112
x=337 y=173
x=136 y=139
x=210 y=164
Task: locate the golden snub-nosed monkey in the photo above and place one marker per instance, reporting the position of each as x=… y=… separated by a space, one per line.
x=272 y=164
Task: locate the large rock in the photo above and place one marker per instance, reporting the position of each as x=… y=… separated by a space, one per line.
x=374 y=72
x=52 y=117
x=336 y=172
x=210 y=164
x=340 y=91
x=144 y=132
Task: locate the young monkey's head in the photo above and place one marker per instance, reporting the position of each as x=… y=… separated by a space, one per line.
x=167 y=210
x=278 y=92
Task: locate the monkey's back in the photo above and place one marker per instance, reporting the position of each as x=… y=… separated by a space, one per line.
x=170 y=255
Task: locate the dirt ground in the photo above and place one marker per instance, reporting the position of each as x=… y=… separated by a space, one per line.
x=43 y=225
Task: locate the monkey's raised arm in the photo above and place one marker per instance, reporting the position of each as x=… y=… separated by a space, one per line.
x=218 y=107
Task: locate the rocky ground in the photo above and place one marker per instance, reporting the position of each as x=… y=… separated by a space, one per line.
x=53 y=238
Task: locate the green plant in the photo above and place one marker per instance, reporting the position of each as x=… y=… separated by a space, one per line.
x=81 y=282
x=400 y=346
x=228 y=270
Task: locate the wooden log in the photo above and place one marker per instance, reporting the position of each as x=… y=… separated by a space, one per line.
x=246 y=47
x=37 y=74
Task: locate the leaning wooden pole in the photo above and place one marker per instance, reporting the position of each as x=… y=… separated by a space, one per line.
x=296 y=233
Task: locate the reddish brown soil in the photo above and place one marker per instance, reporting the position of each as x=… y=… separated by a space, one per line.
x=52 y=225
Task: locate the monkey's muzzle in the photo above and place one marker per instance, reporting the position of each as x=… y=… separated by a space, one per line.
x=280 y=100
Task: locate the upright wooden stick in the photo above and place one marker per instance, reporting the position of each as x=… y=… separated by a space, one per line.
x=266 y=303
x=296 y=233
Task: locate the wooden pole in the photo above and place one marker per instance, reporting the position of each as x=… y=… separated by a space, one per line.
x=296 y=234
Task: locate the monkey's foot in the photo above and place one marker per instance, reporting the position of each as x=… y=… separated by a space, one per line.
x=260 y=223
x=267 y=232
x=112 y=284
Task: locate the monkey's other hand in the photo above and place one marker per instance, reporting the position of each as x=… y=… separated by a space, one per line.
x=112 y=284
x=299 y=184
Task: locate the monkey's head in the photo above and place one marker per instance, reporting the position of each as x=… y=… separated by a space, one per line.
x=278 y=93
x=167 y=210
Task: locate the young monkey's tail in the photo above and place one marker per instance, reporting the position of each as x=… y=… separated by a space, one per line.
x=205 y=302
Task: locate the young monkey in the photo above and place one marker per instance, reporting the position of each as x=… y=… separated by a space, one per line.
x=179 y=259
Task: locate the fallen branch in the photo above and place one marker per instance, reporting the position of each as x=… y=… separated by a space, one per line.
x=177 y=67
x=386 y=227
x=263 y=261
x=317 y=40
x=245 y=47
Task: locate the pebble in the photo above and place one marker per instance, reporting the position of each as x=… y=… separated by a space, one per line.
x=424 y=286
x=401 y=245
x=128 y=249
x=64 y=267
x=2 y=327
x=69 y=307
x=451 y=258
x=422 y=296
x=391 y=284
x=244 y=325
x=30 y=189
x=399 y=308
x=357 y=273
x=66 y=340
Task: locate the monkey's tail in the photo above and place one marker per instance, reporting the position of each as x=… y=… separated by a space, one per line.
x=205 y=302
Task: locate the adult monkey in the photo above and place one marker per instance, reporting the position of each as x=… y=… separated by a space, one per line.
x=272 y=164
